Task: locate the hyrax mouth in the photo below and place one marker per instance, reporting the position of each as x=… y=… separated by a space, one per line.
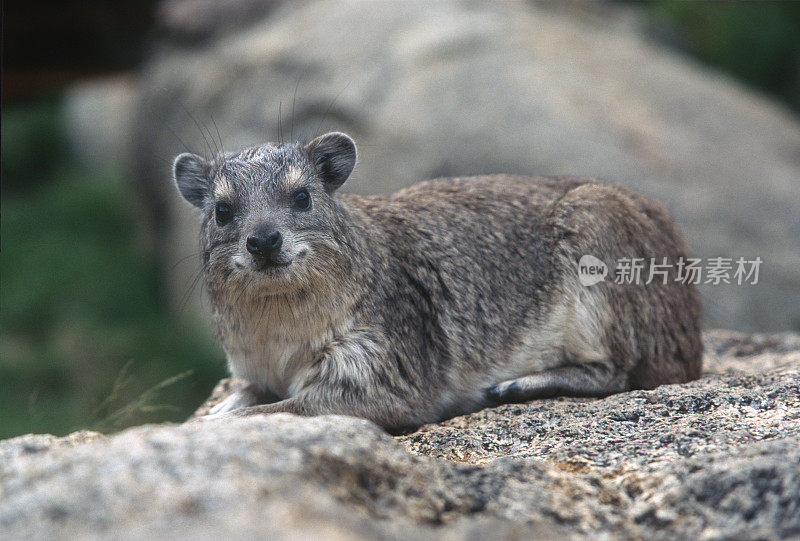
x=259 y=264
x=265 y=265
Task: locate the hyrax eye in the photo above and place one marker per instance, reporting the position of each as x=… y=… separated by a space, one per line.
x=302 y=200
x=223 y=213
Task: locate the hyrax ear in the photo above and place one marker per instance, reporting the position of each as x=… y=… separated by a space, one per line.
x=191 y=174
x=334 y=157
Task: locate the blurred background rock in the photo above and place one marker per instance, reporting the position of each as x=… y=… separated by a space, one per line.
x=102 y=322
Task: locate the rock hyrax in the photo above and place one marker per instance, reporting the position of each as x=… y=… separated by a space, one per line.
x=441 y=299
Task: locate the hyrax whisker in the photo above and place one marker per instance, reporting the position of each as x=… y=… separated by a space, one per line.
x=184 y=301
x=219 y=137
x=446 y=297
x=201 y=130
x=280 y=123
x=186 y=258
x=182 y=143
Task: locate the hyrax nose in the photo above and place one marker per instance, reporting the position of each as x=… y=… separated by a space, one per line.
x=264 y=243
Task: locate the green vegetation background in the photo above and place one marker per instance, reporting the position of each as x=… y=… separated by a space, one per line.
x=87 y=339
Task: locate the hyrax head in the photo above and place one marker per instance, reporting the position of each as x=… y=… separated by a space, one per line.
x=270 y=217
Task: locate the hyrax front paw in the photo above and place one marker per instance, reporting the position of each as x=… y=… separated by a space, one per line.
x=238 y=400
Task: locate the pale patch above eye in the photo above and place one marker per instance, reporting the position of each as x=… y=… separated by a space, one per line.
x=293 y=176
x=223 y=190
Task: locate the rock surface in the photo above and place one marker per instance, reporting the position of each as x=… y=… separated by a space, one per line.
x=458 y=88
x=714 y=458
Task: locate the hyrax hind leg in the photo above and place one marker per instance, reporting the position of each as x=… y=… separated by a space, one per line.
x=597 y=335
x=568 y=355
x=590 y=379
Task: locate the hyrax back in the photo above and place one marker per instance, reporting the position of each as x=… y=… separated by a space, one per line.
x=441 y=299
